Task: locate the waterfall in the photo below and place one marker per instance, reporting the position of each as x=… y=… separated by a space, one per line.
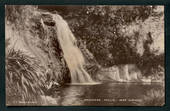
x=72 y=54
x=121 y=73
x=128 y=72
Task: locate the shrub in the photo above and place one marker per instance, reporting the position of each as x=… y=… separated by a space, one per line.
x=23 y=83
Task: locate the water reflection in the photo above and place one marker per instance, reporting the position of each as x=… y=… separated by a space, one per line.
x=72 y=96
x=111 y=94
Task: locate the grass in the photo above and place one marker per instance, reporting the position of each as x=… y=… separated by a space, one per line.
x=23 y=83
x=153 y=97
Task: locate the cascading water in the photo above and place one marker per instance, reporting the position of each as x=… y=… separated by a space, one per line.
x=124 y=73
x=121 y=73
x=72 y=54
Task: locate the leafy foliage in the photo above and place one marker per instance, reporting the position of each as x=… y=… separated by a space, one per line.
x=153 y=97
x=22 y=81
x=100 y=28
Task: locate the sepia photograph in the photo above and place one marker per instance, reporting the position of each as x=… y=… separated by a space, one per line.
x=84 y=55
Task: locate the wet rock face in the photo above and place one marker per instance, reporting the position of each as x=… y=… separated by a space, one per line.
x=47 y=19
x=40 y=41
x=120 y=73
x=49 y=23
x=53 y=50
x=91 y=63
x=40 y=35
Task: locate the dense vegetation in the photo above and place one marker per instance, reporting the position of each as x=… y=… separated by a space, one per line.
x=25 y=72
x=118 y=34
x=23 y=82
x=113 y=34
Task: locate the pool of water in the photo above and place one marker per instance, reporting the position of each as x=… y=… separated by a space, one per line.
x=110 y=94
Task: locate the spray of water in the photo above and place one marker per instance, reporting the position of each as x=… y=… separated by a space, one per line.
x=72 y=54
x=121 y=73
